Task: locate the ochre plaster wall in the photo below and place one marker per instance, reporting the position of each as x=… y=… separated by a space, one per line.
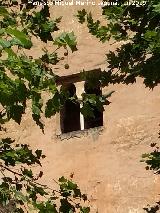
x=106 y=164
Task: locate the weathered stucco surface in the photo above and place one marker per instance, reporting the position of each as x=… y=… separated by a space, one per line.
x=106 y=164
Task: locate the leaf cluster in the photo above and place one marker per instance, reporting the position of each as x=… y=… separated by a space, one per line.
x=138 y=27
x=23 y=80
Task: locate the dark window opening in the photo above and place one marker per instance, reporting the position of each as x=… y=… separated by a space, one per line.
x=70 y=113
x=97 y=120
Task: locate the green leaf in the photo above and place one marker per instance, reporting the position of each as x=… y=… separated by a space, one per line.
x=20 y=196
x=46 y=207
x=10 y=52
x=2 y=31
x=87 y=110
x=71 y=185
x=5 y=43
x=85 y=210
x=81 y=16
x=15 y=112
x=36 y=103
x=62 y=179
x=157 y=8
x=28 y=173
x=66 y=39
x=36 y=110
x=3 y=11
x=23 y=39
x=40 y=191
x=150 y=35
x=66 y=206
x=52 y=105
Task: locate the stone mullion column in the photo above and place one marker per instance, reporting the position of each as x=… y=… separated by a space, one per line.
x=81 y=118
x=79 y=91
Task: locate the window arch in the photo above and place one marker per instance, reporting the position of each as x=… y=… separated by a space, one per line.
x=70 y=112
